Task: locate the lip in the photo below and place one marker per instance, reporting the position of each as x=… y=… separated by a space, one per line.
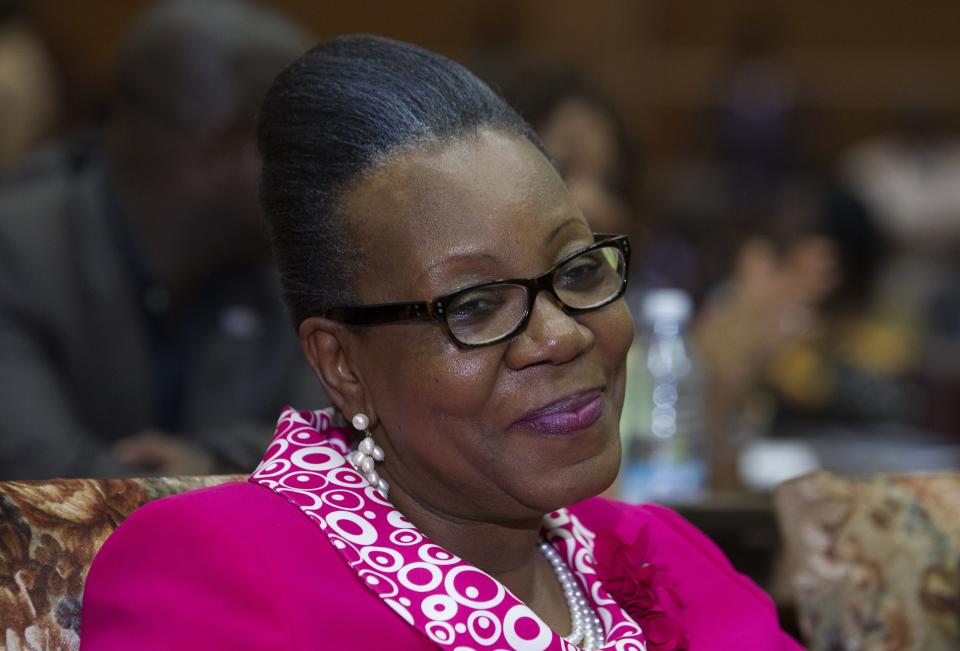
x=570 y=414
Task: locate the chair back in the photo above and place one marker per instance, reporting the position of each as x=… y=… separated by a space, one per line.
x=874 y=563
x=49 y=533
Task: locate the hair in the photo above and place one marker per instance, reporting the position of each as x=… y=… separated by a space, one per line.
x=338 y=112
x=814 y=206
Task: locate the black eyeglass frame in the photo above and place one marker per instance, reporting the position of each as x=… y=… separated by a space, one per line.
x=436 y=310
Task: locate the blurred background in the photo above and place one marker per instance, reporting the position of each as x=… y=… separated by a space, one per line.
x=663 y=64
x=793 y=168
x=789 y=172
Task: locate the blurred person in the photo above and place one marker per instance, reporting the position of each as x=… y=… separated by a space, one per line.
x=29 y=87
x=589 y=143
x=586 y=139
x=749 y=145
x=910 y=176
x=141 y=329
x=791 y=335
x=757 y=127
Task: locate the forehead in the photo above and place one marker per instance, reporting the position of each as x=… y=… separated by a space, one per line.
x=482 y=205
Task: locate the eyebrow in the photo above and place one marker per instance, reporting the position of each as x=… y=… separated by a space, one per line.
x=552 y=235
x=556 y=231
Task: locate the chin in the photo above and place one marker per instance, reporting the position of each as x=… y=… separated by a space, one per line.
x=575 y=483
x=607 y=469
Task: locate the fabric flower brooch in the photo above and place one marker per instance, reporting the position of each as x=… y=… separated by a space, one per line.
x=643 y=590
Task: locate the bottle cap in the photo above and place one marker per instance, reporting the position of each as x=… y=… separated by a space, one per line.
x=667 y=305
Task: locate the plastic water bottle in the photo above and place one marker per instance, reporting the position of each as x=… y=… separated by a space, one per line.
x=665 y=456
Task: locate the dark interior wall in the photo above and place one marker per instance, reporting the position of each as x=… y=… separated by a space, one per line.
x=855 y=60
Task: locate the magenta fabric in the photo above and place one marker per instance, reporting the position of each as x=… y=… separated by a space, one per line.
x=454 y=604
x=232 y=568
x=724 y=609
x=243 y=566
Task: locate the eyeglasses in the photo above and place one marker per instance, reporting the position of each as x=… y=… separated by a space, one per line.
x=493 y=311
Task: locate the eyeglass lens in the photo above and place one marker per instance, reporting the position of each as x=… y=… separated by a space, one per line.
x=485 y=314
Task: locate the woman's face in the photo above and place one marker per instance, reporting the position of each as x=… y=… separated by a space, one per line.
x=436 y=219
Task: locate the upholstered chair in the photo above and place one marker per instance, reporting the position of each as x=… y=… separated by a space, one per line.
x=49 y=533
x=874 y=563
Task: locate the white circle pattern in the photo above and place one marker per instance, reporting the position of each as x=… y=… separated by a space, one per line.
x=439 y=607
x=382 y=559
x=440 y=632
x=367 y=534
x=482 y=584
x=436 y=576
x=437 y=555
x=305 y=458
x=484 y=627
x=343 y=499
x=384 y=586
x=405 y=537
x=454 y=604
x=518 y=614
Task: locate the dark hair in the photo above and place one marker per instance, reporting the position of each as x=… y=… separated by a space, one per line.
x=820 y=206
x=337 y=112
x=190 y=66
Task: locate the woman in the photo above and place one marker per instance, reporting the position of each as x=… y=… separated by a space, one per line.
x=587 y=142
x=398 y=187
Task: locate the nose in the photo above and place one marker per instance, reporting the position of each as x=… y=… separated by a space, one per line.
x=551 y=336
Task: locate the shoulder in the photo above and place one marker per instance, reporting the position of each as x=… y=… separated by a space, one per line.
x=37 y=202
x=235 y=567
x=210 y=514
x=238 y=555
x=204 y=532
x=32 y=191
x=606 y=514
x=673 y=540
x=723 y=608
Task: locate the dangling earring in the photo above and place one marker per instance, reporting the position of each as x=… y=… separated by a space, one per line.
x=366 y=454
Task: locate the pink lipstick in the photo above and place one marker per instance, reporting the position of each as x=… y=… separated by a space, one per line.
x=576 y=412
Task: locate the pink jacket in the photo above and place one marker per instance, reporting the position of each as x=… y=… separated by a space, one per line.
x=271 y=564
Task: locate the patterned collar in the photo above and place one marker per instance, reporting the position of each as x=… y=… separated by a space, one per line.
x=454 y=604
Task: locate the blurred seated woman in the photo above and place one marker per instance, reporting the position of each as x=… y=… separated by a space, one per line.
x=794 y=338
x=469 y=326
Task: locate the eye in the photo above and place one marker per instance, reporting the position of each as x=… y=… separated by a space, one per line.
x=583 y=272
x=475 y=306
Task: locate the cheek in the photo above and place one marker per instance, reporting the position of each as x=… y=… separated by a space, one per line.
x=613 y=332
x=419 y=375
x=464 y=380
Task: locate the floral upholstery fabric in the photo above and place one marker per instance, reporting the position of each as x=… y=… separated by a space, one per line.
x=49 y=533
x=874 y=563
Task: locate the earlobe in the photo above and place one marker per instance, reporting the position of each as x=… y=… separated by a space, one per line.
x=326 y=347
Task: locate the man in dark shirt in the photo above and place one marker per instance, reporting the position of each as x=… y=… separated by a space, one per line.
x=140 y=323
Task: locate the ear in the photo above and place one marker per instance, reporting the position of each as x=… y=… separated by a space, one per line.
x=326 y=345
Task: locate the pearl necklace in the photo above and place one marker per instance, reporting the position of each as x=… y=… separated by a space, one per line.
x=586 y=630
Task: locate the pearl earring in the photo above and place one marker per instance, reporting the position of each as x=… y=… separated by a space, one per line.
x=366 y=454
